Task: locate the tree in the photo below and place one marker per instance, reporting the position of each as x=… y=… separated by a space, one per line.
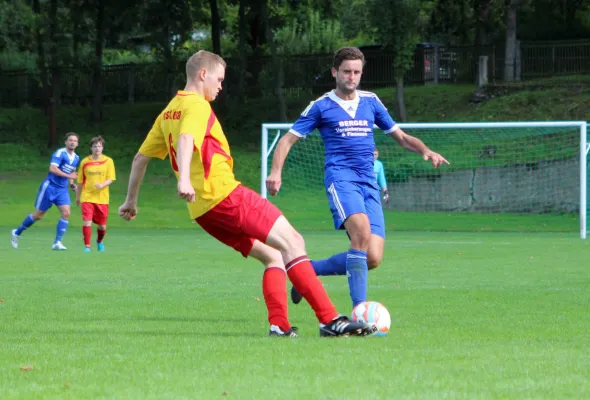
x=17 y=35
x=242 y=50
x=277 y=62
x=398 y=25
x=97 y=68
x=553 y=20
x=451 y=22
x=215 y=27
x=314 y=35
x=510 y=56
x=169 y=24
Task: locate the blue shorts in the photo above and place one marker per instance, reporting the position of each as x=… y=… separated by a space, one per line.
x=347 y=198
x=50 y=194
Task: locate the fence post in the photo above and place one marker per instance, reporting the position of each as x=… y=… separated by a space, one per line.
x=436 y=62
x=482 y=76
x=517 y=61
x=131 y=84
x=494 y=64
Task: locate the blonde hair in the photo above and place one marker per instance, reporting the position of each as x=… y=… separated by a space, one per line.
x=202 y=59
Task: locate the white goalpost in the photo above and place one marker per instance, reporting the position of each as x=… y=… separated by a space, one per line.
x=496 y=167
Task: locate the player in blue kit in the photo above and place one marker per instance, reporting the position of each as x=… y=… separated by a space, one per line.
x=54 y=190
x=345 y=118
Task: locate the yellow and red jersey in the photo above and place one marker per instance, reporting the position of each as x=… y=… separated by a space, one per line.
x=212 y=165
x=92 y=172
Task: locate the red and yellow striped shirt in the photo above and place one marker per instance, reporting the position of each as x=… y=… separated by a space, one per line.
x=212 y=166
x=92 y=172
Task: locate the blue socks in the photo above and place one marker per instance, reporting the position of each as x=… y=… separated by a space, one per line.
x=357 y=272
x=62 y=225
x=28 y=221
x=354 y=265
x=335 y=265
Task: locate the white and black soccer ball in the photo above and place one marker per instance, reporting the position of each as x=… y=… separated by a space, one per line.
x=374 y=314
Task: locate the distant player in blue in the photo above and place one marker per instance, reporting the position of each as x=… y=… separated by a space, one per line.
x=54 y=190
x=379 y=175
x=345 y=118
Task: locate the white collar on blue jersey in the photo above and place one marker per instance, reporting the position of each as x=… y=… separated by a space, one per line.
x=350 y=106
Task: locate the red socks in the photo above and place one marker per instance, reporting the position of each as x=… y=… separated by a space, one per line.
x=274 y=288
x=306 y=282
x=87 y=233
x=100 y=233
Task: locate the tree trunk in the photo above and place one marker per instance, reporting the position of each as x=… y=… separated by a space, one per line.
x=53 y=90
x=97 y=78
x=402 y=114
x=77 y=69
x=215 y=27
x=169 y=64
x=279 y=92
x=510 y=40
x=242 y=51
x=483 y=13
x=277 y=65
x=41 y=60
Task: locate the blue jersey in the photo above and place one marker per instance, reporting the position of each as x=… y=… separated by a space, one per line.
x=66 y=163
x=379 y=174
x=346 y=127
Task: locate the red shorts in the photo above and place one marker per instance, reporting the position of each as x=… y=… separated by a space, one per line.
x=97 y=213
x=241 y=218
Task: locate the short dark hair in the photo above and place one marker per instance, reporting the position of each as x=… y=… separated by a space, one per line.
x=347 y=53
x=97 y=139
x=72 y=134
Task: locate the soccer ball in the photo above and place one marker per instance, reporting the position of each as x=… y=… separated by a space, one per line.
x=373 y=313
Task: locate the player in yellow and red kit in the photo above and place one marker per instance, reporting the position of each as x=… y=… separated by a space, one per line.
x=188 y=131
x=95 y=175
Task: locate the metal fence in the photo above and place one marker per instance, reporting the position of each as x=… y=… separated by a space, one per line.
x=303 y=74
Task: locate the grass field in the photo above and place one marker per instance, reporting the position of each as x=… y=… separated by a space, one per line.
x=169 y=313
x=483 y=306
x=172 y=314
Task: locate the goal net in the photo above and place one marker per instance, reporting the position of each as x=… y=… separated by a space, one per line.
x=498 y=170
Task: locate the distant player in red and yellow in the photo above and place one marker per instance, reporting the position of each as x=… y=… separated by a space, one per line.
x=188 y=131
x=95 y=175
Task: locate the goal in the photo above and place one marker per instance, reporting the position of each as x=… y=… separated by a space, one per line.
x=517 y=168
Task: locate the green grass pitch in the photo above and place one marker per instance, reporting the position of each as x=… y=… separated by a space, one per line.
x=169 y=313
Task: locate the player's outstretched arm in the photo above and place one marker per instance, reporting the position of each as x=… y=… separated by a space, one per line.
x=129 y=209
x=273 y=182
x=414 y=144
x=184 y=157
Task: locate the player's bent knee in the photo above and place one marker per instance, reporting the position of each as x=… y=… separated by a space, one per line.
x=360 y=240
x=285 y=238
x=373 y=263
x=296 y=241
x=268 y=256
